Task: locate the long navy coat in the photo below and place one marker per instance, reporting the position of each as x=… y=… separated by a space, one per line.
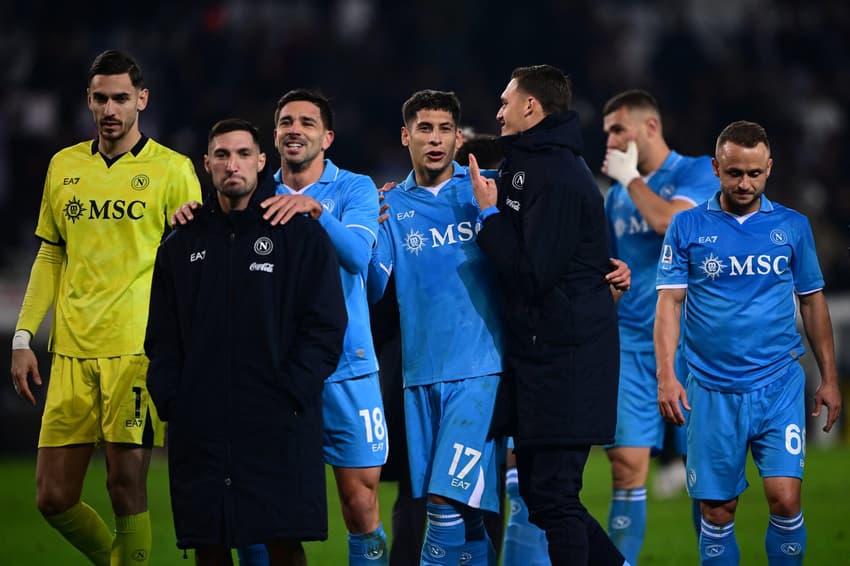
x=246 y=322
x=549 y=243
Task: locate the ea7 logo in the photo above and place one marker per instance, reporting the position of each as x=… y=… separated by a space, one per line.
x=70 y=180
x=405 y=215
x=197 y=256
x=707 y=239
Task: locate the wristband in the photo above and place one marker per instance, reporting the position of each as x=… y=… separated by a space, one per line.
x=21 y=340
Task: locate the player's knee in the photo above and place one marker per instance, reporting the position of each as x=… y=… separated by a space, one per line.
x=628 y=468
x=718 y=514
x=52 y=500
x=128 y=495
x=360 y=509
x=783 y=504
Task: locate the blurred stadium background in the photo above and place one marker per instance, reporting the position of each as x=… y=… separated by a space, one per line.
x=783 y=63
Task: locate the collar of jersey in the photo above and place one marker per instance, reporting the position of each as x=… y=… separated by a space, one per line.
x=713 y=204
x=329 y=175
x=135 y=150
x=457 y=172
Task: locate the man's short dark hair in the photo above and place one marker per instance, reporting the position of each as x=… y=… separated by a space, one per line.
x=431 y=100
x=486 y=148
x=234 y=125
x=548 y=84
x=114 y=62
x=634 y=99
x=317 y=98
x=743 y=133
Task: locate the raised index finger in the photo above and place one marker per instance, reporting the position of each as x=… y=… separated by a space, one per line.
x=474 y=171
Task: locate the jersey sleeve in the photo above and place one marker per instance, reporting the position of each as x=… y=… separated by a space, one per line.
x=354 y=234
x=380 y=265
x=673 y=261
x=47 y=229
x=183 y=186
x=804 y=260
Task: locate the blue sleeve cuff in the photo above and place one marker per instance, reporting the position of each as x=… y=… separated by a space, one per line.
x=487 y=213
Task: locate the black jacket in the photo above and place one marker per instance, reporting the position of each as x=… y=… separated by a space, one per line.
x=246 y=322
x=549 y=243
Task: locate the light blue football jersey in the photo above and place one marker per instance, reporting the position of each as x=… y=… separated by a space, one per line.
x=740 y=310
x=448 y=302
x=636 y=243
x=350 y=218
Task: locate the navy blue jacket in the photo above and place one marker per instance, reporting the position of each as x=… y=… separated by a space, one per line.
x=246 y=321
x=549 y=243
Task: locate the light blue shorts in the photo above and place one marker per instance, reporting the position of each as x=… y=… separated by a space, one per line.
x=450 y=456
x=770 y=420
x=355 y=430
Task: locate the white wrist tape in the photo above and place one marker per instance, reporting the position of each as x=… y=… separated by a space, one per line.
x=21 y=340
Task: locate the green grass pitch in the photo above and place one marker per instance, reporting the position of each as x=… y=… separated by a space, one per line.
x=26 y=539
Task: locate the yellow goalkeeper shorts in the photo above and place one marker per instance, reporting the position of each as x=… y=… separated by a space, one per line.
x=95 y=400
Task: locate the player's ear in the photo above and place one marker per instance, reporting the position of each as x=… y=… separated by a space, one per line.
x=206 y=163
x=329 y=139
x=261 y=162
x=405 y=136
x=716 y=167
x=142 y=103
x=769 y=167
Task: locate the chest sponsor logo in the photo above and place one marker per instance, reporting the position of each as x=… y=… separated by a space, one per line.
x=140 y=182
x=707 y=239
x=328 y=204
x=518 y=181
x=751 y=265
x=414 y=241
x=107 y=209
x=630 y=226
x=197 y=256
x=267 y=267
x=712 y=267
x=263 y=246
x=778 y=237
x=405 y=215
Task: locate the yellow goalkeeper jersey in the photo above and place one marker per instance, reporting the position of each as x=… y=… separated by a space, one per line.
x=110 y=217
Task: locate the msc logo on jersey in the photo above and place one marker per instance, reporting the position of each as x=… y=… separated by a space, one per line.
x=263 y=246
x=140 y=182
x=518 y=182
x=632 y=225
x=73 y=210
x=414 y=241
x=778 y=237
x=764 y=265
x=106 y=210
x=712 y=266
x=328 y=204
x=465 y=232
